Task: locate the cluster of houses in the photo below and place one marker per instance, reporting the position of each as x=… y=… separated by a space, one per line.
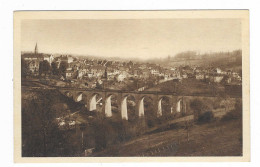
x=121 y=71
x=34 y=60
x=216 y=75
x=118 y=71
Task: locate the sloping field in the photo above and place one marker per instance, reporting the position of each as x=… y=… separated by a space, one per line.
x=213 y=139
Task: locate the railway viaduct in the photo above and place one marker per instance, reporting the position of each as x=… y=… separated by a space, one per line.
x=89 y=98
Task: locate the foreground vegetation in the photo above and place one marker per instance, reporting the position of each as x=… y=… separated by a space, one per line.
x=42 y=134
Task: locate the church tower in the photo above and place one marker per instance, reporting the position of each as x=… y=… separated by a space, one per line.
x=36 y=49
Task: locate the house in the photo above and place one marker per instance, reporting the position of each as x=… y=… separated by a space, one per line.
x=136 y=72
x=69 y=73
x=218 y=70
x=48 y=58
x=62 y=78
x=34 y=66
x=38 y=57
x=229 y=72
x=90 y=75
x=184 y=75
x=97 y=70
x=218 y=79
x=81 y=73
x=207 y=76
x=173 y=69
x=155 y=72
x=65 y=58
x=32 y=56
x=198 y=70
x=235 y=74
x=228 y=80
x=121 y=77
x=112 y=71
x=100 y=82
x=200 y=76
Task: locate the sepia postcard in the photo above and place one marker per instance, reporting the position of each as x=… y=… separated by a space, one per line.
x=131 y=86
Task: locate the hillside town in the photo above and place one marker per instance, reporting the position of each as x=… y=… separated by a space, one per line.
x=83 y=72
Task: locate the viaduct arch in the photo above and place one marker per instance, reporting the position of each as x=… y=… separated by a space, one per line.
x=91 y=97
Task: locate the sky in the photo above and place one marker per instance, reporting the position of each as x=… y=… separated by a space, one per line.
x=131 y=38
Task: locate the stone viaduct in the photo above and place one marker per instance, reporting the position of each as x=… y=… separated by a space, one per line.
x=89 y=98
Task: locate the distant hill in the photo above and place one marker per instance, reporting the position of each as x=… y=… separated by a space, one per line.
x=219 y=59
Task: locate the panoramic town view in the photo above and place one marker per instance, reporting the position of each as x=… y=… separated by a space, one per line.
x=140 y=88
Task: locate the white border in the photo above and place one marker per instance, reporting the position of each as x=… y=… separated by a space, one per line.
x=191 y=14
x=6 y=44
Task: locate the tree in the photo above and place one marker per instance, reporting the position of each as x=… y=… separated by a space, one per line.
x=38 y=127
x=44 y=67
x=198 y=107
x=54 y=68
x=24 y=68
x=63 y=67
x=41 y=135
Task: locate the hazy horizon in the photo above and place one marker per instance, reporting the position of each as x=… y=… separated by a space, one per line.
x=130 y=39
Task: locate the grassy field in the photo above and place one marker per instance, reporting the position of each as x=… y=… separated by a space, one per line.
x=187 y=86
x=192 y=86
x=212 y=139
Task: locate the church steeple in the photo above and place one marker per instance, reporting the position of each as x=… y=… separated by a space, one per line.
x=36 y=49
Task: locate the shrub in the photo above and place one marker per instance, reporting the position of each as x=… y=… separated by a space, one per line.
x=199 y=107
x=206 y=117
